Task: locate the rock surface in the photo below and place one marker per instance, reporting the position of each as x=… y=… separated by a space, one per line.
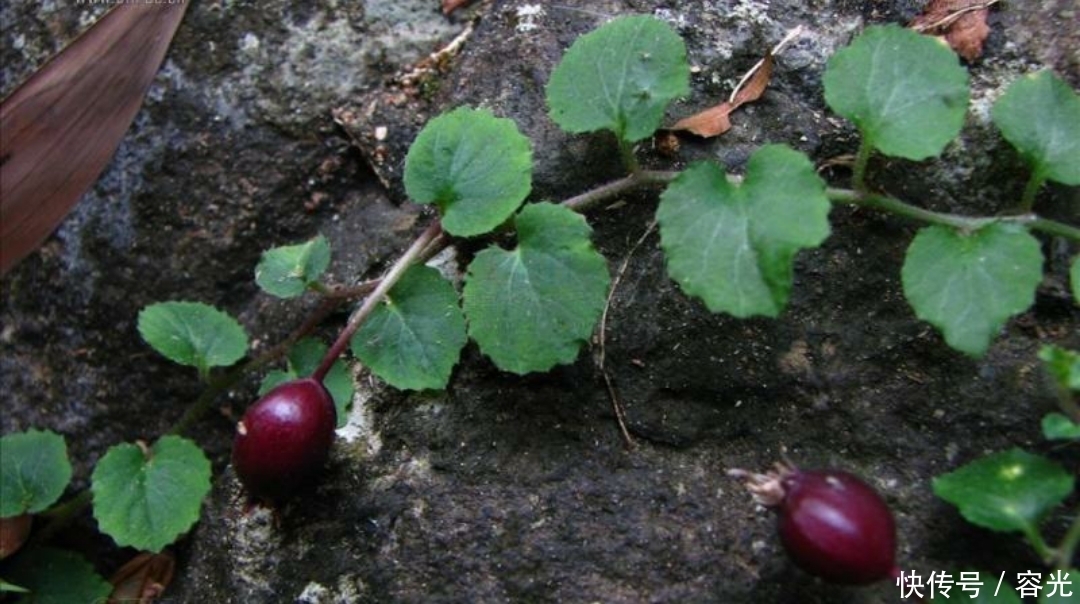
x=521 y=489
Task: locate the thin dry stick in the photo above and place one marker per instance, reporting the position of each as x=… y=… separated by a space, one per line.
x=779 y=48
x=954 y=16
x=616 y=404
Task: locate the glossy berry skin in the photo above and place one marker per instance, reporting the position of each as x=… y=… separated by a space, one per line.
x=283 y=440
x=835 y=526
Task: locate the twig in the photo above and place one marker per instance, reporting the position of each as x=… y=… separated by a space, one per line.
x=616 y=404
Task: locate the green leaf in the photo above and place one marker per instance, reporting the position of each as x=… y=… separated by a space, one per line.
x=968 y=284
x=1040 y=115
x=414 y=339
x=192 y=333
x=619 y=77
x=304 y=357
x=147 y=498
x=1055 y=426
x=732 y=245
x=906 y=92
x=287 y=271
x=1006 y=491
x=1063 y=365
x=476 y=167
x=532 y=307
x=34 y=471
x=56 y=576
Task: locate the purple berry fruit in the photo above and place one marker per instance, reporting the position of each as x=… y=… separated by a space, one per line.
x=832 y=524
x=283 y=440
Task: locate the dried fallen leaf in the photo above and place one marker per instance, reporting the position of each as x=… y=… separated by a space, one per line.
x=714 y=121
x=142 y=579
x=60 y=128
x=13 y=533
x=961 y=22
x=449 y=6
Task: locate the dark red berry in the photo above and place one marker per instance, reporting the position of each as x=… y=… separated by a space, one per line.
x=832 y=524
x=283 y=440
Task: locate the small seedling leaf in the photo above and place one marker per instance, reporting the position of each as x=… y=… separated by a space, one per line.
x=1040 y=115
x=968 y=284
x=34 y=471
x=1056 y=426
x=1005 y=491
x=287 y=271
x=414 y=339
x=475 y=167
x=304 y=357
x=532 y=307
x=56 y=576
x=906 y=92
x=148 y=498
x=734 y=246
x=192 y=333
x=619 y=77
x=12 y=588
x=1063 y=365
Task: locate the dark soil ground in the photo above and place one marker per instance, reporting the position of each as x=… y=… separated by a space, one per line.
x=522 y=489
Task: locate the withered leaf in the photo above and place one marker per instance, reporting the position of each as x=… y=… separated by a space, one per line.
x=961 y=22
x=60 y=128
x=715 y=120
x=449 y=6
x=142 y=579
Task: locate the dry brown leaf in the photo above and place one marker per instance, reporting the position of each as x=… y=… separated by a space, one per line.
x=13 y=533
x=714 y=121
x=142 y=579
x=60 y=128
x=449 y=6
x=962 y=23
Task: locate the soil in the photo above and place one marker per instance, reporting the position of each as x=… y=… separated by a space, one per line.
x=261 y=131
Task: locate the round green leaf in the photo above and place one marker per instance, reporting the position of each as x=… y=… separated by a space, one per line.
x=1040 y=115
x=192 y=333
x=287 y=271
x=34 y=471
x=619 y=77
x=968 y=284
x=414 y=339
x=56 y=576
x=147 y=498
x=476 y=167
x=732 y=245
x=533 y=307
x=906 y=92
x=1005 y=491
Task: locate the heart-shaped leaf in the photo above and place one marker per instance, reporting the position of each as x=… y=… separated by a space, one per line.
x=619 y=77
x=192 y=333
x=414 y=339
x=56 y=576
x=732 y=245
x=34 y=471
x=906 y=92
x=476 y=167
x=967 y=284
x=532 y=307
x=1040 y=115
x=146 y=498
x=1006 y=491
